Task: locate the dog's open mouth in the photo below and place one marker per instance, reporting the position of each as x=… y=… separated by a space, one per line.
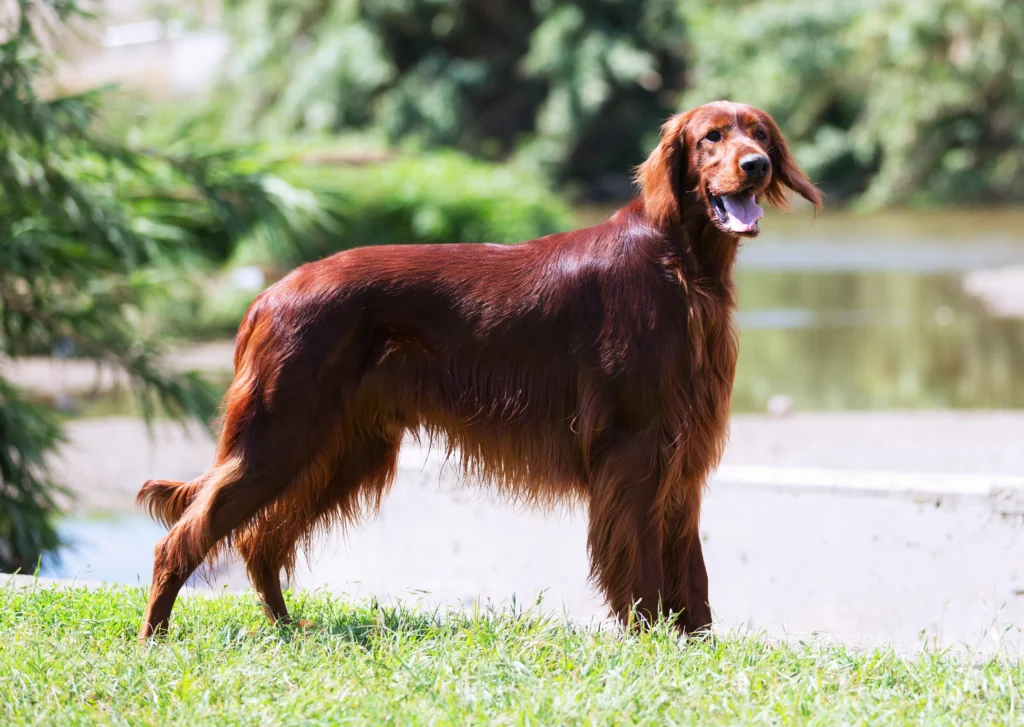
x=737 y=213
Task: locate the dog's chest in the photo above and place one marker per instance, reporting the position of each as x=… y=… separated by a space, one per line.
x=712 y=345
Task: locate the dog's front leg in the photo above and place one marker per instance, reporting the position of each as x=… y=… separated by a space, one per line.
x=686 y=577
x=686 y=583
x=624 y=536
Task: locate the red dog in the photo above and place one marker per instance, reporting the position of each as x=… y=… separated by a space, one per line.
x=593 y=365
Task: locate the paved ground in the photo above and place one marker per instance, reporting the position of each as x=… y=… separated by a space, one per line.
x=68 y=377
x=874 y=525
x=108 y=459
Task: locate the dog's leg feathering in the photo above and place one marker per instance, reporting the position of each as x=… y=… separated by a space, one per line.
x=624 y=534
x=355 y=484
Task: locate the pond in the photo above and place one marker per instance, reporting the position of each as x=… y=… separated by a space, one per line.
x=872 y=312
x=116 y=548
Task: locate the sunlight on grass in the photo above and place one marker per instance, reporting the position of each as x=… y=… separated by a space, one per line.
x=70 y=657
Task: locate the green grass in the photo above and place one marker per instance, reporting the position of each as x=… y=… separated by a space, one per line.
x=70 y=657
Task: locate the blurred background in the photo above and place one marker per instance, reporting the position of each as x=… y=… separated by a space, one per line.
x=162 y=162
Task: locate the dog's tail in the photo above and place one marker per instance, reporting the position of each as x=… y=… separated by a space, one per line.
x=166 y=500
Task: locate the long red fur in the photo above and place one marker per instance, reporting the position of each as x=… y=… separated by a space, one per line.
x=592 y=366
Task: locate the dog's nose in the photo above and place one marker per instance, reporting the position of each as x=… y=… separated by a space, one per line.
x=756 y=166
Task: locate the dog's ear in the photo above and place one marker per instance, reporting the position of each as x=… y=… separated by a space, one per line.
x=660 y=178
x=785 y=172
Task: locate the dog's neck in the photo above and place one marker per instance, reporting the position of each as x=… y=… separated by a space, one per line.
x=710 y=252
x=703 y=251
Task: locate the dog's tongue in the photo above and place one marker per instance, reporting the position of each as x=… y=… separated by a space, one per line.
x=742 y=210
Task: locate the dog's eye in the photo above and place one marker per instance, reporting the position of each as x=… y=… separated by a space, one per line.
x=760 y=135
x=713 y=136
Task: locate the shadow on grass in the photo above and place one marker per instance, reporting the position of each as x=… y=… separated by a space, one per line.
x=116 y=611
x=369 y=623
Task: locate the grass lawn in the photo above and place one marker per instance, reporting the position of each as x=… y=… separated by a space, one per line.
x=70 y=657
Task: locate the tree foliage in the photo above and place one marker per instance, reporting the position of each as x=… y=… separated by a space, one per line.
x=891 y=101
x=888 y=102
x=87 y=227
x=435 y=197
x=567 y=83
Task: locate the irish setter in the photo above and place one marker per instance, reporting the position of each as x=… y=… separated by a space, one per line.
x=593 y=366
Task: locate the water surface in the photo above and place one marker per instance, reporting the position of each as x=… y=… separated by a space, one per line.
x=870 y=312
x=116 y=548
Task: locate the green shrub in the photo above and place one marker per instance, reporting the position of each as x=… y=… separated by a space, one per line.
x=441 y=197
x=434 y=198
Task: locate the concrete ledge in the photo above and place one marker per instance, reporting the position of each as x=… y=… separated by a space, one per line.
x=873 y=482
x=894 y=453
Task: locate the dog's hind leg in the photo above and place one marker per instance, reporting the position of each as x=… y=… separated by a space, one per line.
x=230 y=497
x=624 y=535
x=357 y=482
x=254 y=468
x=268 y=543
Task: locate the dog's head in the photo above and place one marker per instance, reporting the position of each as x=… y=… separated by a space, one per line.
x=724 y=157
